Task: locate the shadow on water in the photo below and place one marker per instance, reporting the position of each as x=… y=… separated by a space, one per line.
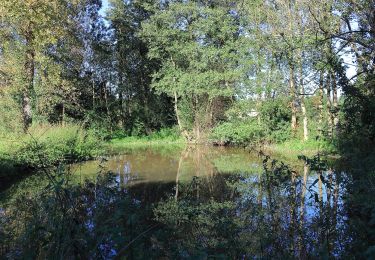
x=197 y=202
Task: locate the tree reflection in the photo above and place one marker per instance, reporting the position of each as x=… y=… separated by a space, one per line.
x=273 y=211
x=279 y=213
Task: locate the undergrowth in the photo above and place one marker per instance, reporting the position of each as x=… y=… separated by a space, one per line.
x=53 y=143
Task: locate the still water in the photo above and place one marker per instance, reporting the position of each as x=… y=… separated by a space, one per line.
x=168 y=164
x=209 y=202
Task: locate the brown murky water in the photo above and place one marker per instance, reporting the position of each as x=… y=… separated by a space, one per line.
x=166 y=164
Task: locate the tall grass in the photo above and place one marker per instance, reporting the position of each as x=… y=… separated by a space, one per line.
x=53 y=143
x=294 y=147
x=165 y=136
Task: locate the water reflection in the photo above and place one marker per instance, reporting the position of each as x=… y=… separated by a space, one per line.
x=158 y=165
x=279 y=213
x=200 y=202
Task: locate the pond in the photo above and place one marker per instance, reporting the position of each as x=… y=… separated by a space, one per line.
x=181 y=202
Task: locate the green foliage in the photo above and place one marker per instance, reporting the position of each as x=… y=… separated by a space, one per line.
x=275 y=117
x=292 y=148
x=238 y=133
x=271 y=123
x=198 y=45
x=146 y=110
x=163 y=136
x=11 y=118
x=47 y=145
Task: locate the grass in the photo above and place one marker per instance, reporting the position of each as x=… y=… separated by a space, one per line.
x=46 y=145
x=166 y=136
x=295 y=147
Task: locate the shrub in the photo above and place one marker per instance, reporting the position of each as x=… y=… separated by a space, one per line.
x=238 y=133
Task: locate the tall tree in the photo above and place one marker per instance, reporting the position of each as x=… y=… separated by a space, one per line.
x=34 y=26
x=141 y=108
x=197 y=43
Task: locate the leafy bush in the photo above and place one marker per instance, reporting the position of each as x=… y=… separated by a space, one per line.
x=280 y=133
x=275 y=116
x=238 y=133
x=271 y=124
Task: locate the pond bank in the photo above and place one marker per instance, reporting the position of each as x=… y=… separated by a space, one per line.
x=48 y=146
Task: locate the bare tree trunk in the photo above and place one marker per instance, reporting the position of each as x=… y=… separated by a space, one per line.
x=105 y=86
x=29 y=84
x=93 y=92
x=258 y=107
x=320 y=106
x=26 y=110
x=260 y=191
x=335 y=102
x=320 y=191
x=305 y=122
x=122 y=116
x=63 y=114
x=180 y=126
x=197 y=119
x=293 y=215
x=335 y=200
x=293 y=101
x=303 y=107
x=329 y=105
x=106 y=99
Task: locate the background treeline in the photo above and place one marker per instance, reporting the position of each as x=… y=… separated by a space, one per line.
x=221 y=70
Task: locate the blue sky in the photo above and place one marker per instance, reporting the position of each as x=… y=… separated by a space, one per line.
x=105 y=6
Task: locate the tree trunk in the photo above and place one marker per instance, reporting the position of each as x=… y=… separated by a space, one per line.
x=197 y=119
x=93 y=93
x=176 y=111
x=63 y=114
x=179 y=123
x=320 y=190
x=293 y=101
x=29 y=84
x=106 y=100
x=329 y=106
x=26 y=111
x=122 y=114
x=303 y=107
x=335 y=102
x=320 y=106
x=180 y=126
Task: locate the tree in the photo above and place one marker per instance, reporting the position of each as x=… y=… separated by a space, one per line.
x=32 y=26
x=197 y=43
x=140 y=108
